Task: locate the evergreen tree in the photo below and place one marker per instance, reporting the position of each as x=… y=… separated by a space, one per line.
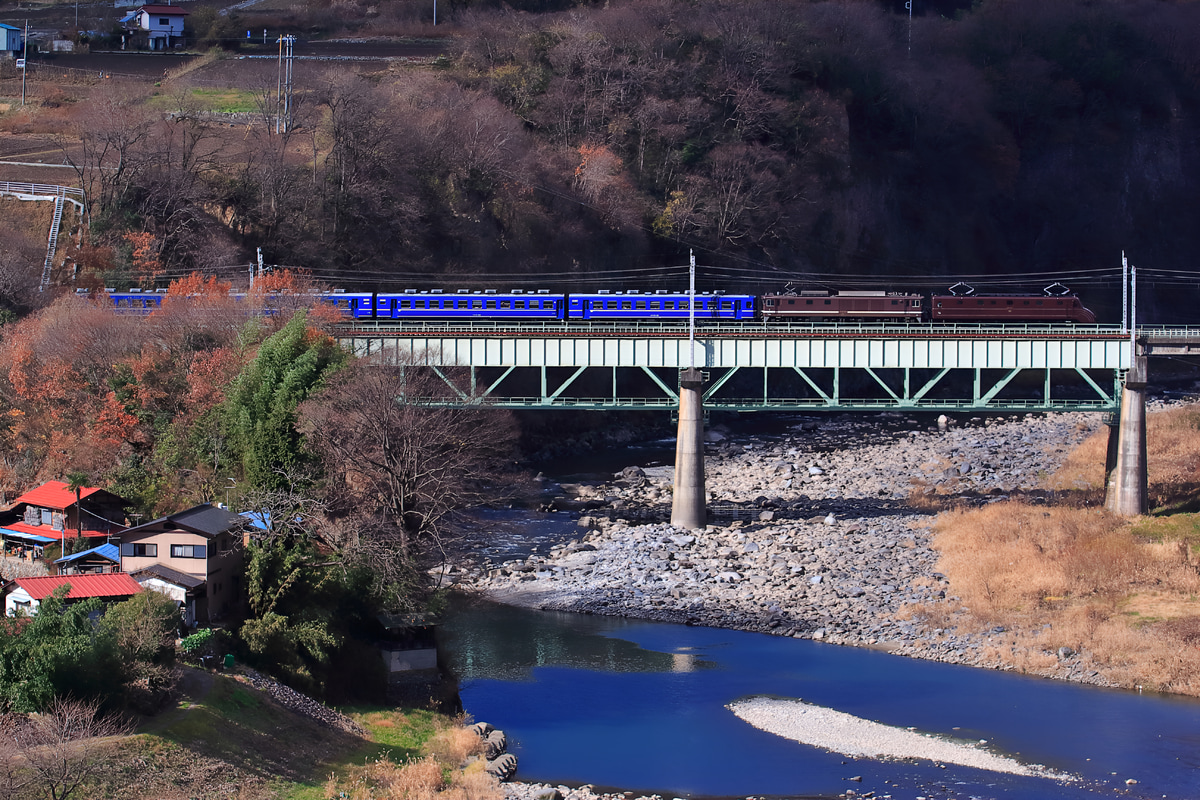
x=261 y=410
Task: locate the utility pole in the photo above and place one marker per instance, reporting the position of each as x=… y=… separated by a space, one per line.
x=692 y=309
x=1124 y=292
x=283 y=100
x=24 y=62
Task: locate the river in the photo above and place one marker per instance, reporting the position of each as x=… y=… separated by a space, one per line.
x=642 y=706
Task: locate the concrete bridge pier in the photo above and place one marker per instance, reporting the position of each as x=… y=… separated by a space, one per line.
x=687 y=505
x=1125 y=493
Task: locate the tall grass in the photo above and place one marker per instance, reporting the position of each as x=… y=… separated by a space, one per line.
x=1069 y=577
x=450 y=769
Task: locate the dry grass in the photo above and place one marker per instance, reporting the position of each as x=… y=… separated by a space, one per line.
x=450 y=770
x=1173 y=458
x=1077 y=578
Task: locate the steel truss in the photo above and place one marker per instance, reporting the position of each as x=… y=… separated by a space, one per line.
x=924 y=372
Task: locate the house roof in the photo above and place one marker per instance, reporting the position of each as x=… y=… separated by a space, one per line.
x=166 y=10
x=205 y=519
x=26 y=536
x=49 y=533
x=111 y=584
x=109 y=551
x=55 y=494
x=169 y=575
x=8 y=27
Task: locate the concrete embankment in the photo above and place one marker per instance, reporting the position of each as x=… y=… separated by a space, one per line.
x=832 y=543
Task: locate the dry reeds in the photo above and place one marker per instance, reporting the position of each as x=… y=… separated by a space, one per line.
x=1081 y=579
x=448 y=771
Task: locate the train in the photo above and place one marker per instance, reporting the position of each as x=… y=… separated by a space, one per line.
x=1054 y=304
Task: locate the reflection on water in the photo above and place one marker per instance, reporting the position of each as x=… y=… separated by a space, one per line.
x=486 y=641
x=642 y=706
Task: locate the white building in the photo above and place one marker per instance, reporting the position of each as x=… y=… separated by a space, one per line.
x=161 y=25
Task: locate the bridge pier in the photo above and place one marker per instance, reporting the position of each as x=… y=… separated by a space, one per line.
x=687 y=505
x=1125 y=493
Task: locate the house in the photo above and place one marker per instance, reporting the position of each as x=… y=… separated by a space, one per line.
x=105 y=558
x=12 y=41
x=27 y=594
x=50 y=514
x=201 y=551
x=187 y=590
x=160 y=27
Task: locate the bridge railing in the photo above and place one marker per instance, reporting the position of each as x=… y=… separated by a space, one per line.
x=749 y=328
x=40 y=189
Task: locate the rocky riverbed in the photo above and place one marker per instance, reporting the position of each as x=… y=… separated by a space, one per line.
x=821 y=532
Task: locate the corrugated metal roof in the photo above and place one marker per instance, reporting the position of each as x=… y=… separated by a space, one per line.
x=48 y=531
x=25 y=536
x=109 y=551
x=55 y=494
x=111 y=584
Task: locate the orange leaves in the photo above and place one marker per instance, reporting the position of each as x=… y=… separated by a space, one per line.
x=144 y=256
x=196 y=285
x=113 y=425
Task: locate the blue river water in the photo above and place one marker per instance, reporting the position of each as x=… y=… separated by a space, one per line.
x=641 y=706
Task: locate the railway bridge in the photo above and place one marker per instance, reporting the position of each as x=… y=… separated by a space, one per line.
x=794 y=367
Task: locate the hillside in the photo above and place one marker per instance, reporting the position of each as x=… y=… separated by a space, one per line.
x=222 y=737
x=817 y=142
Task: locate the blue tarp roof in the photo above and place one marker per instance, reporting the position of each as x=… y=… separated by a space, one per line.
x=29 y=537
x=258 y=519
x=109 y=551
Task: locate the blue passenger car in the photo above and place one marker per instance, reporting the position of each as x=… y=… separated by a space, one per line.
x=469 y=305
x=135 y=301
x=359 y=305
x=660 y=305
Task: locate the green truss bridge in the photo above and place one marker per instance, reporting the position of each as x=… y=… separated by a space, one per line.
x=758 y=367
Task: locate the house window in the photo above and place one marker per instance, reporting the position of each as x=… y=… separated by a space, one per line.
x=164 y=21
x=132 y=550
x=189 y=551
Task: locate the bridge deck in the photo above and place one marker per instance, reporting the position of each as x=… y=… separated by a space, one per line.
x=764 y=366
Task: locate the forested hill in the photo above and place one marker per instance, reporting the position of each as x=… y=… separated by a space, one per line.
x=564 y=143
x=1021 y=136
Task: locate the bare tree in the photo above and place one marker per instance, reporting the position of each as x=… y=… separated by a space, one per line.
x=397 y=446
x=62 y=747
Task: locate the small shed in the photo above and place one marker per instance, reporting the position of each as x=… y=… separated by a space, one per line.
x=410 y=656
x=27 y=594
x=105 y=558
x=12 y=41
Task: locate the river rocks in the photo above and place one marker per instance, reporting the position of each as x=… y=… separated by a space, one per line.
x=817 y=535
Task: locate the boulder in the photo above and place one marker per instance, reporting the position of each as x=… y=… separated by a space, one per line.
x=503 y=767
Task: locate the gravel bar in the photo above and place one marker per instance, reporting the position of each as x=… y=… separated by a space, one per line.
x=861 y=738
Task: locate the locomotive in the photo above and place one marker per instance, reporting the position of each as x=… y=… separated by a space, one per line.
x=1054 y=305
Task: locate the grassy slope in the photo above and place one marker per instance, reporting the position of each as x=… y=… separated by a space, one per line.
x=224 y=738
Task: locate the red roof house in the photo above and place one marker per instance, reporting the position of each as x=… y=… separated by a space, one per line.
x=49 y=513
x=28 y=593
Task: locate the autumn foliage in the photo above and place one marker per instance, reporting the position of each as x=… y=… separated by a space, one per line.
x=129 y=400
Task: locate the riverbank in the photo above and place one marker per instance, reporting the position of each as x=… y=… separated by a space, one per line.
x=833 y=539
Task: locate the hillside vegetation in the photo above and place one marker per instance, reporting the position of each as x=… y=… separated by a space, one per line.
x=225 y=738
x=812 y=141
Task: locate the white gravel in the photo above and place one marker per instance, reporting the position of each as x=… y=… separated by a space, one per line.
x=855 y=737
